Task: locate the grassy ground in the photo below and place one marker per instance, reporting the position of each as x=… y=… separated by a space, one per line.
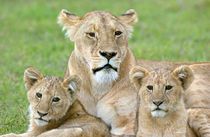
x=175 y=30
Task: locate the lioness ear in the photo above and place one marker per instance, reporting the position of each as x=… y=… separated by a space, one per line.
x=136 y=75
x=31 y=76
x=185 y=75
x=73 y=83
x=68 y=20
x=129 y=17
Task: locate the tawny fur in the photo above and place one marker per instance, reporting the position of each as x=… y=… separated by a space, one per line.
x=196 y=97
x=197 y=100
x=173 y=119
x=66 y=117
x=107 y=98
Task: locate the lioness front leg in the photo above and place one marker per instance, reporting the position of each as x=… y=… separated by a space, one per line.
x=199 y=121
x=67 y=132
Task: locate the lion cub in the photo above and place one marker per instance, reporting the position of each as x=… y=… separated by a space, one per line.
x=54 y=109
x=161 y=111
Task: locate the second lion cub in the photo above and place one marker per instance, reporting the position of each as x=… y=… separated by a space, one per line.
x=161 y=111
x=55 y=110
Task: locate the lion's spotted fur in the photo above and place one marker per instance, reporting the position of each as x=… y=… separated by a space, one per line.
x=63 y=118
x=196 y=97
x=171 y=119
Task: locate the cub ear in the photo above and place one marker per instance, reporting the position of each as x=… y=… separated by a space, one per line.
x=185 y=75
x=73 y=83
x=68 y=20
x=129 y=17
x=31 y=76
x=136 y=75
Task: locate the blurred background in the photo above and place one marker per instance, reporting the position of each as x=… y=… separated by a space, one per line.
x=172 y=30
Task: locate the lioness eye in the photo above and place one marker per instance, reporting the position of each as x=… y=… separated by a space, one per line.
x=150 y=87
x=39 y=95
x=168 y=87
x=55 y=99
x=91 y=34
x=118 y=33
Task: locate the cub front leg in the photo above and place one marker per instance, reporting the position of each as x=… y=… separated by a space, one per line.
x=67 y=132
x=14 y=135
x=123 y=136
x=10 y=135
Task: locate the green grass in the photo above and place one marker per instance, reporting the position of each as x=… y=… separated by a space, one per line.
x=174 y=30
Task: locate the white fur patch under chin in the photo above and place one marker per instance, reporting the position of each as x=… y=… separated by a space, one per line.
x=158 y=113
x=40 y=122
x=106 y=77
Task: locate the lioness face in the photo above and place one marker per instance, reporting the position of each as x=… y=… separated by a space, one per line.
x=161 y=91
x=49 y=97
x=100 y=40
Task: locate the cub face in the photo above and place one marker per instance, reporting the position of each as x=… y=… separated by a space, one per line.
x=49 y=97
x=161 y=91
x=101 y=40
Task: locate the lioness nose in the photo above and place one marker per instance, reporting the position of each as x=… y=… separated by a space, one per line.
x=157 y=103
x=108 y=55
x=42 y=114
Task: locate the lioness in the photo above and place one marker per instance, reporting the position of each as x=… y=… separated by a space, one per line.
x=55 y=110
x=162 y=112
x=102 y=58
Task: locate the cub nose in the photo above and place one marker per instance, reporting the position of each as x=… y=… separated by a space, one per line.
x=108 y=55
x=157 y=103
x=42 y=114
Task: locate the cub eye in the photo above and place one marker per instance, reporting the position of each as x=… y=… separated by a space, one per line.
x=91 y=34
x=118 y=33
x=168 y=87
x=55 y=99
x=150 y=87
x=39 y=95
